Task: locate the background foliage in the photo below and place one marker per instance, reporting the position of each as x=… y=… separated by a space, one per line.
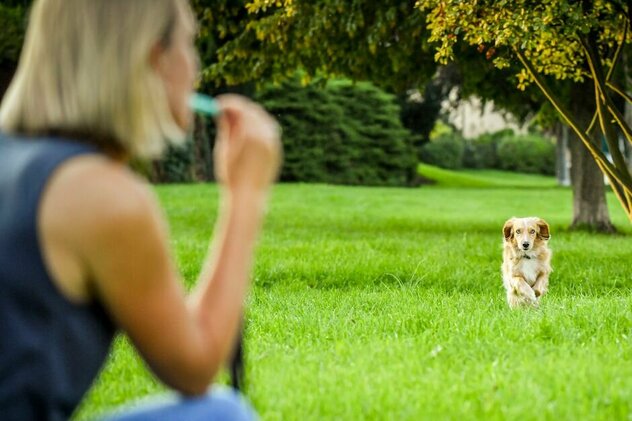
x=382 y=42
x=482 y=151
x=531 y=153
x=341 y=133
x=12 y=22
x=581 y=42
x=528 y=154
x=446 y=151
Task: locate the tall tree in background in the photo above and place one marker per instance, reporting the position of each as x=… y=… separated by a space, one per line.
x=577 y=41
x=479 y=76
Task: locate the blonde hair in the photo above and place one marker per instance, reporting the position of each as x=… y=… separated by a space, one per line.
x=85 y=68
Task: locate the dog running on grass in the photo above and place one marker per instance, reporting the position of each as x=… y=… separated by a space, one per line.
x=526 y=260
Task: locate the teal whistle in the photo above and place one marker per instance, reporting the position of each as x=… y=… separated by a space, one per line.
x=204 y=104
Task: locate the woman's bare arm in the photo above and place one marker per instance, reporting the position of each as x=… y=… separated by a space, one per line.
x=117 y=238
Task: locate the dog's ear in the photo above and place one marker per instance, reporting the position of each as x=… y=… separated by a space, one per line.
x=543 y=228
x=508 y=228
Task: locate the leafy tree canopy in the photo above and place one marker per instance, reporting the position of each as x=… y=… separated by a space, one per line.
x=548 y=33
x=385 y=42
x=564 y=39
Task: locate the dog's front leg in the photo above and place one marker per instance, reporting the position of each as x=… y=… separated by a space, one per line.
x=521 y=292
x=541 y=285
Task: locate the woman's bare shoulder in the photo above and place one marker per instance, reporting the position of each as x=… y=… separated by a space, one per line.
x=90 y=201
x=91 y=187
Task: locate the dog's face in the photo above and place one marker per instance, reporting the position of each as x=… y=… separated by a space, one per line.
x=526 y=233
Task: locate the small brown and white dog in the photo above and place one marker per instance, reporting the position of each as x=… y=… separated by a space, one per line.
x=526 y=260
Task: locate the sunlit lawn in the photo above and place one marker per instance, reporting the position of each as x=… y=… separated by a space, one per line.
x=387 y=303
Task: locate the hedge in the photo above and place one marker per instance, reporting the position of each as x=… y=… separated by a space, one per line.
x=528 y=153
x=341 y=133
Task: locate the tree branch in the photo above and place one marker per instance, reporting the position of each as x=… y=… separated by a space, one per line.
x=617 y=53
x=624 y=189
x=615 y=61
x=591 y=126
x=619 y=91
x=601 y=159
x=596 y=70
x=620 y=119
x=602 y=98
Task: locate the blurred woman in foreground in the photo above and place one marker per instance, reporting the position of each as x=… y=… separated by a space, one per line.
x=83 y=243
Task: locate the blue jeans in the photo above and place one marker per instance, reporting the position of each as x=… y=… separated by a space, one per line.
x=221 y=404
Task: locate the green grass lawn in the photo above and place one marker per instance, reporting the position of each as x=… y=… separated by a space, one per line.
x=387 y=303
x=483 y=178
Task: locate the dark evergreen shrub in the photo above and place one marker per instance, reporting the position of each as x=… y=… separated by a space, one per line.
x=341 y=133
x=191 y=162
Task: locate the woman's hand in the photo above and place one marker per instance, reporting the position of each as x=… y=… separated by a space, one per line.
x=247 y=151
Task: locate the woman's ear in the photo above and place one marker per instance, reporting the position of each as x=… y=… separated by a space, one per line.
x=543 y=229
x=156 y=57
x=508 y=228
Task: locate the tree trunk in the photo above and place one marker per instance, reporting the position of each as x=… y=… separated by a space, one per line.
x=562 y=167
x=590 y=210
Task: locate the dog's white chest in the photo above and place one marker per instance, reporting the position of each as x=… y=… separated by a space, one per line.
x=529 y=269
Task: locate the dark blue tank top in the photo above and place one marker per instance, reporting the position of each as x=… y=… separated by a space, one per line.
x=50 y=349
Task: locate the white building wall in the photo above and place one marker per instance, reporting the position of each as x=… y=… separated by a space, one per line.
x=474 y=118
